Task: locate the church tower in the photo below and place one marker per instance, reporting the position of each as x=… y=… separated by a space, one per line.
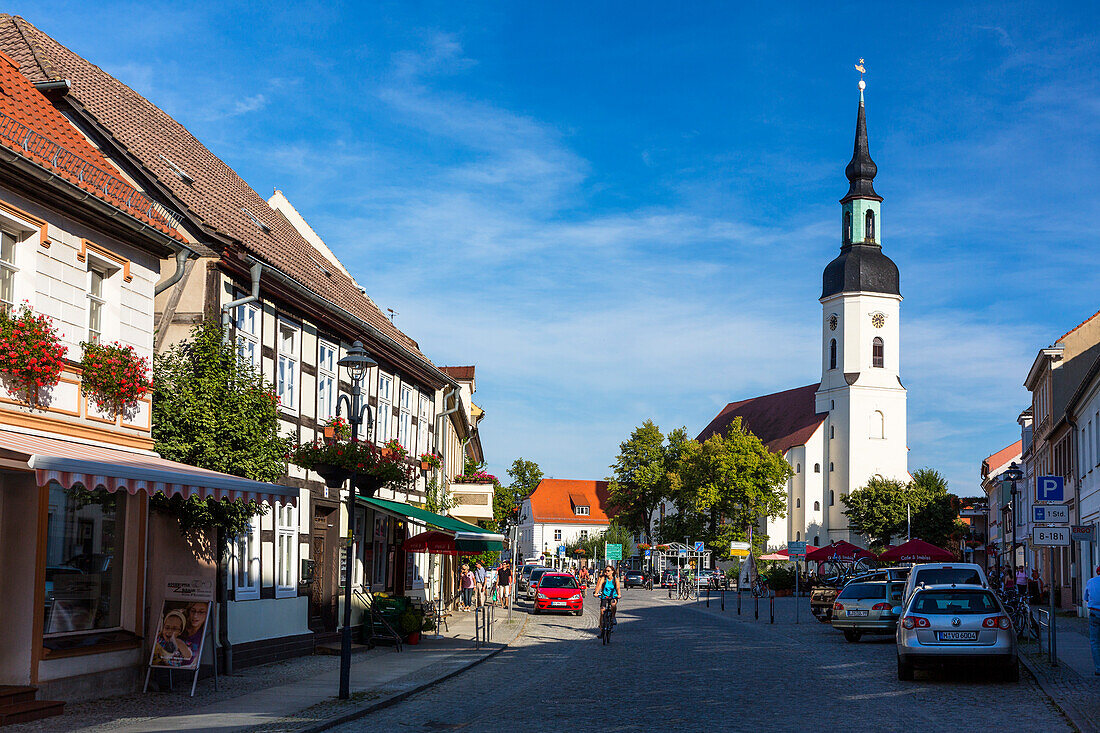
x=861 y=389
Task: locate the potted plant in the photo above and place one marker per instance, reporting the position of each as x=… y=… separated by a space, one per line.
x=428 y=461
x=113 y=376
x=479 y=477
x=336 y=460
x=336 y=428
x=428 y=625
x=410 y=623
x=31 y=353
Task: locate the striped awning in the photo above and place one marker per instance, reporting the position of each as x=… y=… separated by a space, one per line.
x=70 y=463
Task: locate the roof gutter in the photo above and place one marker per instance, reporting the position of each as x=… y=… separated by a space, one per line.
x=356 y=321
x=182 y=255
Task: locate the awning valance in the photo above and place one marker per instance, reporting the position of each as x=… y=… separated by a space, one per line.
x=93 y=467
x=468 y=537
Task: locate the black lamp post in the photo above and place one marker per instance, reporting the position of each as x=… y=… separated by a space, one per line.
x=1013 y=474
x=356 y=362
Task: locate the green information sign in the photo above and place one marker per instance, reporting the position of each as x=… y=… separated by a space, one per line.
x=613 y=552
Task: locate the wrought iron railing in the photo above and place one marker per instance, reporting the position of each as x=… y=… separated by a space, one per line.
x=54 y=155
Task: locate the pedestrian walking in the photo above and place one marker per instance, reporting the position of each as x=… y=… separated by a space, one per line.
x=480 y=576
x=1035 y=588
x=467 y=587
x=1021 y=581
x=1092 y=600
x=504 y=582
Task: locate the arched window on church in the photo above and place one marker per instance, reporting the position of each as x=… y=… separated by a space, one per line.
x=831 y=466
x=869 y=227
x=798 y=468
x=797 y=503
x=832 y=432
x=817 y=506
x=832 y=497
x=847 y=227
x=817 y=541
x=832 y=354
x=878 y=353
x=817 y=468
x=878 y=425
x=797 y=536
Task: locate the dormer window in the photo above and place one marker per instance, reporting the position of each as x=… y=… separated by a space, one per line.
x=581 y=506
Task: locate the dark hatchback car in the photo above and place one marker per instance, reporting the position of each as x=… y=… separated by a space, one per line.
x=634 y=579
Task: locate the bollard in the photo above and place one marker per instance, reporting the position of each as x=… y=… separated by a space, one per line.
x=771 y=604
x=708 y=596
x=723 y=599
x=756 y=604
x=738 y=600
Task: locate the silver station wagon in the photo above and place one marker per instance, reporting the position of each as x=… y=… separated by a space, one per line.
x=943 y=624
x=867 y=608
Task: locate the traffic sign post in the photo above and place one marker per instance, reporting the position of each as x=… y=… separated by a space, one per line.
x=613 y=552
x=796 y=550
x=1050 y=489
x=1050 y=513
x=699 y=546
x=1050 y=536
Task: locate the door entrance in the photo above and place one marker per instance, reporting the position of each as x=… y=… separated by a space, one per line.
x=322 y=608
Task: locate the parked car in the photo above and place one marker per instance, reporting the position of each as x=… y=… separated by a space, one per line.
x=668 y=579
x=702 y=577
x=822 y=599
x=943 y=573
x=524 y=577
x=901 y=574
x=533 y=581
x=634 y=579
x=867 y=608
x=558 y=592
x=956 y=624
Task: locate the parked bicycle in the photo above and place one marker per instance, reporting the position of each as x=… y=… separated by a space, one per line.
x=760 y=587
x=1019 y=610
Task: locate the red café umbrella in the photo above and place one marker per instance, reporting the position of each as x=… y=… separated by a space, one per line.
x=840 y=550
x=916 y=551
x=434 y=542
x=783 y=554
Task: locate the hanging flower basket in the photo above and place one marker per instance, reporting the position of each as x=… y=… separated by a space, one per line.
x=336 y=460
x=113 y=376
x=428 y=461
x=31 y=353
x=367 y=484
x=475 y=478
x=334 y=475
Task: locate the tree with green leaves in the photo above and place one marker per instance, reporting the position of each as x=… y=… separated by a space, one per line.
x=731 y=481
x=881 y=509
x=212 y=410
x=877 y=510
x=643 y=474
x=526 y=476
x=593 y=545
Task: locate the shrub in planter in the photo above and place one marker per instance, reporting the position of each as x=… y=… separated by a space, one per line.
x=31 y=353
x=781 y=578
x=113 y=376
x=410 y=623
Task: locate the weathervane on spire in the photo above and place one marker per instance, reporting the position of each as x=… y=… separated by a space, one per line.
x=860 y=68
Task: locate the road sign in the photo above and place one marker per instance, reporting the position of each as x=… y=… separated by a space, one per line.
x=1049 y=536
x=739 y=553
x=698 y=546
x=649 y=553
x=1082 y=532
x=736 y=545
x=683 y=552
x=1050 y=489
x=561 y=550
x=796 y=549
x=613 y=552
x=1052 y=513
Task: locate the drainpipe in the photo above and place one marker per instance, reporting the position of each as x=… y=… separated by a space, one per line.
x=255 y=271
x=1075 y=549
x=182 y=255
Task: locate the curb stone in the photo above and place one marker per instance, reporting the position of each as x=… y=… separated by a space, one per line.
x=1076 y=718
x=401 y=696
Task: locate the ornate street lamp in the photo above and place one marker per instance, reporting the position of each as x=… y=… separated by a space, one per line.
x=357 y=361
x=1013 y=474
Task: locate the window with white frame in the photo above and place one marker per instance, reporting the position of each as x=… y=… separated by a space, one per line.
x=288 y=366
x=385 y=407
x=245 y=577
x=96 y=302
x=248 y=334
x=404 y=425
x=557 y=535
x=584 y=534
x=422 y=426
x=581 y=511
x=7 y=270
x=326 y=380
x=286 y=550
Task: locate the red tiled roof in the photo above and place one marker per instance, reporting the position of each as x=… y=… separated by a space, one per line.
x=217 y=195
x=1067 y=333
x=552 y=501
x=458 y=372
x=33 y=128
x=781 y=420
x=1003 y=456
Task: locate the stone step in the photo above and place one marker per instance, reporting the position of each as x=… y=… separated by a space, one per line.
x=11 y=694
x=25 y=712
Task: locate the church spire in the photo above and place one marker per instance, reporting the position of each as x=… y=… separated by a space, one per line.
x=861 y=170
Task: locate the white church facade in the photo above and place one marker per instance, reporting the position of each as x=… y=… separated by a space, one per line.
x=850 y=426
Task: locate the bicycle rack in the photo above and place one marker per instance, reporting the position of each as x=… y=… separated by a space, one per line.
x=1044 y=623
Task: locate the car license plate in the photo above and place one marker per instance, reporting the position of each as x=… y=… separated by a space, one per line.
x=557 y=603
x=958 y=636
x=857 y=612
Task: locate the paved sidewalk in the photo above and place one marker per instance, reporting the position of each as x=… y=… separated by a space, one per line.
x=294 y=695
x=1071 y=685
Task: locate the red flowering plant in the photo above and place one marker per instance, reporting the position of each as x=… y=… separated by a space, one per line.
x=335 y=460
x=428 y=461
x=337 y=428
x=113 y=376
x=475 y=477
x=31 y=353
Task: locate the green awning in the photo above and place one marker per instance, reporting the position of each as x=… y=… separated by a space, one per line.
x=467 y=536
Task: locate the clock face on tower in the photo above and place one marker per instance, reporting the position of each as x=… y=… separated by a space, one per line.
x=878 y=320
x=832 y=322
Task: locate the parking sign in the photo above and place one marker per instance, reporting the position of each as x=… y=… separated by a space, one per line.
x=1050 y=488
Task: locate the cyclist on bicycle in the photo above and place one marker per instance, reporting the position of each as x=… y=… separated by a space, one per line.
x=608 y=591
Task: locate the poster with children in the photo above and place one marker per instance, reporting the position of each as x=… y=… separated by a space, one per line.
x=181 y=627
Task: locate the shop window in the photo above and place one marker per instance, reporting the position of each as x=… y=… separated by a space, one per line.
x=245 y=577
x=327 y=389
x=84 y=551
x=288 y=366
x=248 y=334
x=7 y=270
x=286 y=551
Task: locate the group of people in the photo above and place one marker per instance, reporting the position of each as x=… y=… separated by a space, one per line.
x=480 y=586
x=1020 y=582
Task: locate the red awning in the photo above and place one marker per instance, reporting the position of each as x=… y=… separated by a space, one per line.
x=841 y=551
x=435 y=542
x=93 y=467
x=916 y=551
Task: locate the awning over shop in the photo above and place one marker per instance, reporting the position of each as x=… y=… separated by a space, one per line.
x=468 y=537
x=93 y=467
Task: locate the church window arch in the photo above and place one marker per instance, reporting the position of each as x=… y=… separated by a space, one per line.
x=817 y=468
x=832 y=497
x=798 y=468
x=847 y=234
x=817 y=506
x=797 y=503
x=797 y=536
x=831 y=466
x=869 y=227
x=832 y=432
x=878 y=425
x=817 y=540
x=832 y=354
x=878 y=353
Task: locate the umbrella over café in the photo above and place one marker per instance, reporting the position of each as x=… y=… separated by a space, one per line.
x=916 y=551
x=785 y=555
x=434 y=542
x=840 y=551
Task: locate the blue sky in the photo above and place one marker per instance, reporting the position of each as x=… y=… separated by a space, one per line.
x=621 y=211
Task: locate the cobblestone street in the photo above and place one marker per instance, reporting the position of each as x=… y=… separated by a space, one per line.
x=670 y=667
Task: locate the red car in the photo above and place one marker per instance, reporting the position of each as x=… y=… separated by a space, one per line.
x=558 y=592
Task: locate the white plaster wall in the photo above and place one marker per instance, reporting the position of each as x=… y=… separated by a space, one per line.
x=267 y=618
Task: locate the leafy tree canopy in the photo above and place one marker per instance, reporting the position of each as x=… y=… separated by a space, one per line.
x=643 y=475
x=878 y=510
x=525 y=476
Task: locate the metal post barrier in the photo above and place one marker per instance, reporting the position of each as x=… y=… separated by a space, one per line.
x=756 y=603
x=738 y=599
x=771 y=605
x=723 y=599
x=708 y=595
x=477 y=632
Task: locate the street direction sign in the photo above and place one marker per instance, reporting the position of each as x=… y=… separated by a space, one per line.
x=737 y=545
x=1082 y=532
x=796 y=549
x=1049 y=536
x=1050 y=489
x=613 y=552
x=698 y=546
x=1051 y=513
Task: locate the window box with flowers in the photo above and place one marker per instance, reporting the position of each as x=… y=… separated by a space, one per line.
x=428 y=461
x=32 y=357
x=335 y=460
x=113 y=376
x=478 y=477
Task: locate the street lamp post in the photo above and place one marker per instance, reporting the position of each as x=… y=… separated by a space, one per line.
x=356 y=362
x=1013 y=474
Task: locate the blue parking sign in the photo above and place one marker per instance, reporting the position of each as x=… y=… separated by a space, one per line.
x=1050 y=488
